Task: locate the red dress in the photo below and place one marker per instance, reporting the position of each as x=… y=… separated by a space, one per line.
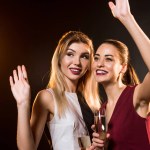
x=127 y=129
x=148 y=126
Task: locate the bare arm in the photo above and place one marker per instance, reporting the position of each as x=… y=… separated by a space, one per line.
x=28 y=132
x=21 y=92
x=42 y=108
x=121 y=11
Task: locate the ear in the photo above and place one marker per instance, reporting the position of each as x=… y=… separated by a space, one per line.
x=124 y=68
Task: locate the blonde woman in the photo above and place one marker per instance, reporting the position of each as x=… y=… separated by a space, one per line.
x=57 y=105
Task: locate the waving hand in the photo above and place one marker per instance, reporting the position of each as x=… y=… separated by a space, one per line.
x=20 y=86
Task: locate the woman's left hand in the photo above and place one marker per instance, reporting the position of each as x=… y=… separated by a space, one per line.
x=120 y=9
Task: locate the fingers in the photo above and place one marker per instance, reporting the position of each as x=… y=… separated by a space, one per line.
x=112 y=6
x=98 y=145
x=11 y=81
x=19 y=74
x=93 y=127
x=24 y=73
x=95 y=135
x=15 y=76
x=25 y=76
x=107 y=135
x=92 y=147
x=97 y=142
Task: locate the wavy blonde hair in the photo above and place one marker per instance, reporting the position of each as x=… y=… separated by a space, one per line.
x=57 y=81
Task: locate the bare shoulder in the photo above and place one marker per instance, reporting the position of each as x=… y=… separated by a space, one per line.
x=45 y=99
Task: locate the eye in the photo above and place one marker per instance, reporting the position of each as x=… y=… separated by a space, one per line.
x=85 y=56
x=96 y=58
x=109 y=59
x=69 y=54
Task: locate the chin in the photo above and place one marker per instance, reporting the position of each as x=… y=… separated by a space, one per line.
x=101 y=82
x=100 y=79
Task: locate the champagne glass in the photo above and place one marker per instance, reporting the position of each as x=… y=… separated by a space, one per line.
x=84 y=141
x=100 y=123
x=96 y=120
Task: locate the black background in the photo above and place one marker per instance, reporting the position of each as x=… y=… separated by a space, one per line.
x=29 y=33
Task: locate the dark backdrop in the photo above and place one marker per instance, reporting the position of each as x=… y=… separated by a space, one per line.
x=29 y=33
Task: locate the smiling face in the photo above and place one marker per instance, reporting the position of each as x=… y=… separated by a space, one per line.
x=75 y=61
x=107 y=66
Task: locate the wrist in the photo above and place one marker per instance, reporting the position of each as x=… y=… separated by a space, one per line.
x=23 y=105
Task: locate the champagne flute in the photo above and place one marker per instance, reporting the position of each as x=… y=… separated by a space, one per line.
x=96 y=120
x=100 y=123
x=84 y=141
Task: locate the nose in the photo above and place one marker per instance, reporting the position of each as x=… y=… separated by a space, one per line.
x=100 y=63
x=77 y=61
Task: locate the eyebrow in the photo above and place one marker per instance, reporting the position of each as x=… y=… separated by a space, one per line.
x=107 y=55
x=71 y=49
x=75 y=51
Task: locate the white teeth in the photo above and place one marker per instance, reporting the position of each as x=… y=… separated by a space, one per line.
x=101 y=71
x=75 y=70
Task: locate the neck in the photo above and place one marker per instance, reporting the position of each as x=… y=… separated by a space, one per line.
x=71 y=86
x=113 y=90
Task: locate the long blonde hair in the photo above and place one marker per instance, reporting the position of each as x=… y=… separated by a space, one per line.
x=57 y=82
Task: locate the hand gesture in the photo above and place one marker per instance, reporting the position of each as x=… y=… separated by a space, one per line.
x=98 y=143
x=19 y=85
x=120 y=9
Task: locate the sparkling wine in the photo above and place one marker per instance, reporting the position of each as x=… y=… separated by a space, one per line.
x=100 y=125
x=96 y=122
x=84 y=141
x=102 y=129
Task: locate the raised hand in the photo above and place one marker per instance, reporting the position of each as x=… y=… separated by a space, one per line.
x=19 y=85
x=120 y=9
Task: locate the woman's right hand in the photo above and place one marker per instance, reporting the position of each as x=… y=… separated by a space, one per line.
x=97 y=142
x=20 y=86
